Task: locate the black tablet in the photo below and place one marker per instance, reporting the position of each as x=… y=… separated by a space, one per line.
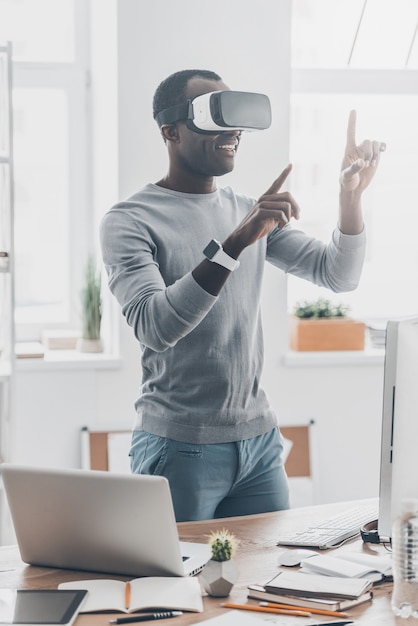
x=40 y=607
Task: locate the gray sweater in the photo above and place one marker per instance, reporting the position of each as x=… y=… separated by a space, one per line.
x=202 y=355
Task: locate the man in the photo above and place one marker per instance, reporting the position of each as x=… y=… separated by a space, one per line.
x=202 y=419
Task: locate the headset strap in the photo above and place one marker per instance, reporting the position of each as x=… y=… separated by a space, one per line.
x=175 y=113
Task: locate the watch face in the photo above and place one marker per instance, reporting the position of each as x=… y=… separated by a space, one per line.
x=211 y=249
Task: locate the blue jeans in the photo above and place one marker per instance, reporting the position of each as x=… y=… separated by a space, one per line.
x=216 y=480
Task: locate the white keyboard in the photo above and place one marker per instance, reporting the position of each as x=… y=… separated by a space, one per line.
x=333 y=531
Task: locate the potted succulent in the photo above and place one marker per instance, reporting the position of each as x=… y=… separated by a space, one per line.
x=91 y=312
x=220 y=573
x=322 y=325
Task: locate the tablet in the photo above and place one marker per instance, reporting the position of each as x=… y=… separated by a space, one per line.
x=40 y=607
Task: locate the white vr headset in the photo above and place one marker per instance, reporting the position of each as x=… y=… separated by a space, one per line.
x=221 y=111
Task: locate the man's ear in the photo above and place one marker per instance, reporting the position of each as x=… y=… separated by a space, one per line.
x=170 y=132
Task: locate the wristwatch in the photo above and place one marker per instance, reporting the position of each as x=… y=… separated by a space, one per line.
x=215 y=253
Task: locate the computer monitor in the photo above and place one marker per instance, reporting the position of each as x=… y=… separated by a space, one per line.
x=399 y=443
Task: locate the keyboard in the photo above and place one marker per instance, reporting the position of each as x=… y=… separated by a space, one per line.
x=333 y=531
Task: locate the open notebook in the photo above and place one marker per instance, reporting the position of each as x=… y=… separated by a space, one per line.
x=98 y=521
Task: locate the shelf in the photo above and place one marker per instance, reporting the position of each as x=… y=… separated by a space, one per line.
x=59 y=360
x=369 y=356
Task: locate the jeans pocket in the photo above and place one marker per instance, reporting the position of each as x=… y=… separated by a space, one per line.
x=147 y=452
x=188 y=450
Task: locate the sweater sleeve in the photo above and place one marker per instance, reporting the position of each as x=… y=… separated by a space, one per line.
x=336 y=265
x=159 y=314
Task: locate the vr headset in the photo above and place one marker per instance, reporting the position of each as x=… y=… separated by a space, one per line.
x=221 y=111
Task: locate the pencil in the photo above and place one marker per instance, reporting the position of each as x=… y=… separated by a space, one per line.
x=251 y=607
x=127 y=595
x=294 y=607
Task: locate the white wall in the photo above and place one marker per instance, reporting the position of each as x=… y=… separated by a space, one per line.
x=247 y=43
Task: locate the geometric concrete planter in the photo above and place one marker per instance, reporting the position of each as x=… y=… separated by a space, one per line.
x=218 y=577
x=337 y=333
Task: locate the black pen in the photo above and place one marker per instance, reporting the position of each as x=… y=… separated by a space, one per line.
x=339 y=623
x=145 y=618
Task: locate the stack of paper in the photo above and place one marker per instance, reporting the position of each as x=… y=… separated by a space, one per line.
x=258 y=592
x=371 y=567
x=298 y=584
x=333 y=583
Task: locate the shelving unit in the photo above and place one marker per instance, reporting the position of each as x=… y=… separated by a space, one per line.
x=7 y=332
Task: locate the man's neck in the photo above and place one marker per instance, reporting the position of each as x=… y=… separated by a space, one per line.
x=188 y=184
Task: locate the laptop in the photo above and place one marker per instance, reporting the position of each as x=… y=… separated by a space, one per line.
x=98 y=521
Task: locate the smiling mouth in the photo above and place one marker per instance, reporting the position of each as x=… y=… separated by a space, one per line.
x=228 y=147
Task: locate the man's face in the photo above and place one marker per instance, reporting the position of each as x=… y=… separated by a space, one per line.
x=206 y=154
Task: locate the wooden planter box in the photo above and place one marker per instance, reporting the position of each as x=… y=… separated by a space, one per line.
x=326 y=334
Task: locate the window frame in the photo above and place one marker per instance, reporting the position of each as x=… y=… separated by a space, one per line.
x=73 y=78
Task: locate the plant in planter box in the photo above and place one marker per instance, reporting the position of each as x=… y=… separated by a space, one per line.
x=220 y=573
x=322 y=325
x=91 y=302
x=319 y=309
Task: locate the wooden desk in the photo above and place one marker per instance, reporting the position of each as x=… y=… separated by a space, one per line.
x=256 y=559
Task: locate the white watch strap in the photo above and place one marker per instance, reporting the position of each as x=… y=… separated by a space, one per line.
x=222 y=258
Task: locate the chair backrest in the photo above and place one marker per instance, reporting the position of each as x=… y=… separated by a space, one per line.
x=105 y=450
x=298 y=461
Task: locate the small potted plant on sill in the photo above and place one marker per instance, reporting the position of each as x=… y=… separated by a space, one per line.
x=320 y=325
x=220 y=573
x=91 y=302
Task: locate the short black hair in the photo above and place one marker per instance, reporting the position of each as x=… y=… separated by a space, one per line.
x=171 y=90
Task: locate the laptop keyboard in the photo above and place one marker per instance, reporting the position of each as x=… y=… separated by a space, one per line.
x=333 y=531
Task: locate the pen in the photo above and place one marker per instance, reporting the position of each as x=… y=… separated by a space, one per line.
x=333 y=623
x=278 y=605
x=127 y=595
x=145 y=618
x=251 y=607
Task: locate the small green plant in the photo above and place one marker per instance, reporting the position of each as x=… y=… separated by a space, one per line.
x=320 y=308
x=91 y=302
x=223 y=545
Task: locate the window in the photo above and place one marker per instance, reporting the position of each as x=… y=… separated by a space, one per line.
x=51 y=158
x=334 y=71
x=376 y=34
